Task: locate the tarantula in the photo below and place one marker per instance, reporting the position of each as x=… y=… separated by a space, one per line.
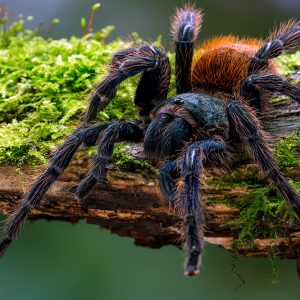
x=221 y=91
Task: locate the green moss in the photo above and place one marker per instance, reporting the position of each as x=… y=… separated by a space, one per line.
x=263 y=214
x=131 y=164
x=288 y=151
x=44 y=90
x=289 y=64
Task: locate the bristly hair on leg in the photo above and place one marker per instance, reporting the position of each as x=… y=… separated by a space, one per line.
x=185 y=26
x=289 y=30
x=286 y=38
x=186 y=23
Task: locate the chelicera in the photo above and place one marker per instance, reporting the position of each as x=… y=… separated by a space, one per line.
x=222 y=88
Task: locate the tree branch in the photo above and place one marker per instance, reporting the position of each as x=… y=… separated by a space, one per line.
x=130 y=203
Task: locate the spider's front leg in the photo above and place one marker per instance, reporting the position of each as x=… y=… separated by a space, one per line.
x=245 y=126
x=58 y=163
x=189 y=194
x=121 y=131
x=152 y=88
x=185 y=28
x=147 y=60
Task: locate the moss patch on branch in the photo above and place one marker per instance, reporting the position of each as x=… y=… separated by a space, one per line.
x=288 y=151
x=44 y=90
x=45 y=86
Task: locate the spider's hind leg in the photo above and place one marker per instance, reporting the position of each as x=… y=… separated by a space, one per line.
x=273 y=83
x=247 y=128
x=286 y=38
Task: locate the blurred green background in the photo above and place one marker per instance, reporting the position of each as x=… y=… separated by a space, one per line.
x=151 y=18
x=56 y=260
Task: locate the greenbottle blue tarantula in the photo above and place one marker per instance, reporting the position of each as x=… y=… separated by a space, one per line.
x=220 y=91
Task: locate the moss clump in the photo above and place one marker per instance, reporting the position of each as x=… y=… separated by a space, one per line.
x=44 y=90
x=263 y=214
x=131 y=164
x=288 y=151
x=289 y=64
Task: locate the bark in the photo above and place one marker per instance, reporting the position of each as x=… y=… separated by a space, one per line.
x=130 y=204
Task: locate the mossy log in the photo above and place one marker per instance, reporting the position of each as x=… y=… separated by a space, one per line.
x=130 y=204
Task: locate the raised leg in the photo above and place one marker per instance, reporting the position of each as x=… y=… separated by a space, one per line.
x=287 y=37
x=115 y=132
x=57 y=165
x=189 y=194
x=124 y=64
x=185 y=28
x=154 y=85
x=246 y=127
x=168 y=174
x=127 y=63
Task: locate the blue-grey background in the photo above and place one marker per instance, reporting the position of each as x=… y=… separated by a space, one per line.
x=56 y=260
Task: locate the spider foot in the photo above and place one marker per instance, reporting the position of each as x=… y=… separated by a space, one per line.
x=84 y=205
x=192 y=264
x=4 y=245
x=83 y=191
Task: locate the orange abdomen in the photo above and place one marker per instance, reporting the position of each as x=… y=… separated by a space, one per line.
x=221 y=65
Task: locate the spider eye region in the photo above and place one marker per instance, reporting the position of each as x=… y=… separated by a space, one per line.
x=198 y=109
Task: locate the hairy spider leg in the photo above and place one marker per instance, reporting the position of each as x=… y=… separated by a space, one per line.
x=127 y=63
x=185 y=27
x=154 y=83
x=272 y=83
x=168 y=174
x=160 y=141
x=190 y=169
x=57 y=165
x=247 y=128
x=115 y=132
x=285 y=38
x=124 y=64
x=189 y=197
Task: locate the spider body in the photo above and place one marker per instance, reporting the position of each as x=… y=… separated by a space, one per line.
x=220 y=92
x=182 y=119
